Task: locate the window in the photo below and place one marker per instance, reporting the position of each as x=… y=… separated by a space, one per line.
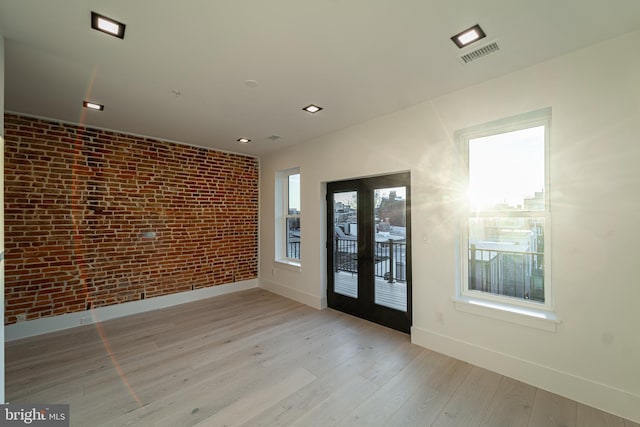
x=288 y=216
x=505 y=235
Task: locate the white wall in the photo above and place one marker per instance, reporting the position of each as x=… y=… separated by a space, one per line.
x=595 y=172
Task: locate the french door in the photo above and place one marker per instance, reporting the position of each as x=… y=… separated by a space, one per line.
x=369 y=249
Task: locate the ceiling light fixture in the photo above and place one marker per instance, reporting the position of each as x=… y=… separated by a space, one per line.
x=243 y=140
x=468 y=36
x=312 y=108
x=92 y=105
x=107 y=25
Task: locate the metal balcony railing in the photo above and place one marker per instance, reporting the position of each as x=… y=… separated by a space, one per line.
x=390 y=258
x=293 y=250
x=514 y=274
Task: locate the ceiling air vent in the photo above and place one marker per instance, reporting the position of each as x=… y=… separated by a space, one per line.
x=480 y=52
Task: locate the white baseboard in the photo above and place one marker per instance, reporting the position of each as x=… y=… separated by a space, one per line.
x=301 y=297
x=45 y=325
x=609 y=399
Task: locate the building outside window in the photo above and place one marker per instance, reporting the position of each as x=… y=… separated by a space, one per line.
x=504 y=245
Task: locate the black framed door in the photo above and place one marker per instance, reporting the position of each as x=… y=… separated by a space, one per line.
x=369 y=249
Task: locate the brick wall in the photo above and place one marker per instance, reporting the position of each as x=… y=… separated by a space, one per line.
x=95 y=218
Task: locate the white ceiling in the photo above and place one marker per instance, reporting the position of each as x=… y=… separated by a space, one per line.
x=359 y=59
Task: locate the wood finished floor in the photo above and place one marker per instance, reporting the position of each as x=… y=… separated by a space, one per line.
x=257 y=359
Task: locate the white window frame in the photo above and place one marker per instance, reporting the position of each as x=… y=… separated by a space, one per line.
x=485 y=299
x=282 y=215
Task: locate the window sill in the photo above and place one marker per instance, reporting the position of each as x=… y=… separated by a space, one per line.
x=539 y=319
x=288 y=265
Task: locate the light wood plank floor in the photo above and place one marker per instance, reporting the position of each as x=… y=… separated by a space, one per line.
x=257 y=359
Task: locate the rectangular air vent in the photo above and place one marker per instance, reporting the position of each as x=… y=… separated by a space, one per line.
x=480 y=52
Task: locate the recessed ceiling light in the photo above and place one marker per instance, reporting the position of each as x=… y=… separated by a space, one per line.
x=92 y=105
x=468 y=36
x=107 y=25
x=243 y=140
x=312 y=109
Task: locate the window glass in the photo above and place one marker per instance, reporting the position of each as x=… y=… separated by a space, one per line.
x=293 y=217
x=294 y=193
x=506 y=171
x=505 y=245
x=287 y=239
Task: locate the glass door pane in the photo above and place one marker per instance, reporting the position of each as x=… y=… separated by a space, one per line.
x=345 y=243
x=368 y=248
x=390 y=252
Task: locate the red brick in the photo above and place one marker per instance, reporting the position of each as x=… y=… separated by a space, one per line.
x=78 y=202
